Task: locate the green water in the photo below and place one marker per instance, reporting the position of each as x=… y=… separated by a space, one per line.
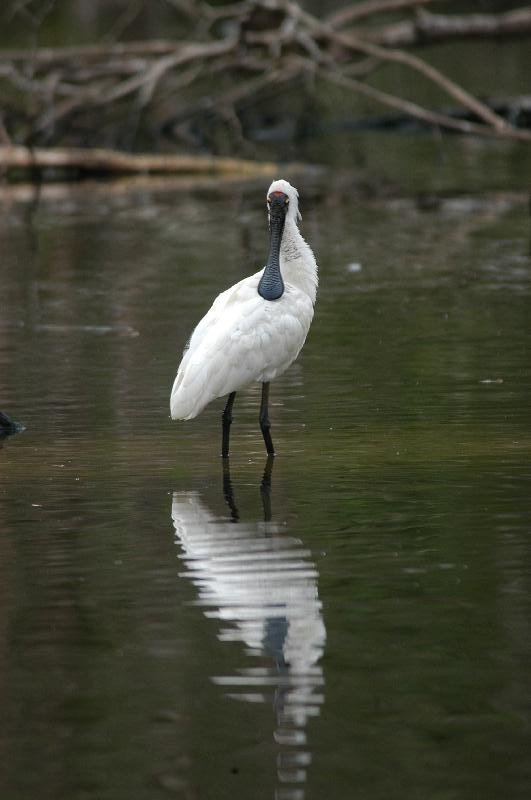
x=372 y=639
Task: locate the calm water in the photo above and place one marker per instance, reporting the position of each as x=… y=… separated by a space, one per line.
x=353 y=622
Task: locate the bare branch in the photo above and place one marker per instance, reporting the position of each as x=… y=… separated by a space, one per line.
x=5 y=139
x=428 y=28
x=126 y=18
x=369 y=8
x=418 y=112
x=56 y=94
x=285 y=73
x=455 y=91
x=186 y=54
x=48 y=56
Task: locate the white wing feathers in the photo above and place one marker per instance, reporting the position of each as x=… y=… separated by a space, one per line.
x=242 y=339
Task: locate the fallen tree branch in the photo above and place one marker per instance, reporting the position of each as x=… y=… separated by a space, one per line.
x=455 y=91
x=284 y=73
x=100 y=161
x=428 y=28
x=415 y=111
x=182 y=88
x=370 y=8
x=51 y=56
x=178 y=58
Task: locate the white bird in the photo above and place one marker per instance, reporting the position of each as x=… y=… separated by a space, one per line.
x=255 y=329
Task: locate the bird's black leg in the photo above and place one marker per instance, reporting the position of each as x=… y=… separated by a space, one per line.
x=226 y=419
x=265 y=425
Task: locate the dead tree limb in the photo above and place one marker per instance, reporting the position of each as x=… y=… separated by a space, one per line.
x=456 y=92
x=190 y=52
x=433 y=118
x=98 y=160
x=371 y=8
x=100 y=93
x=428 y=28
x=52 y=56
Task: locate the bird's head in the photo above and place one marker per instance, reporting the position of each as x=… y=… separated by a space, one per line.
x=282 y=202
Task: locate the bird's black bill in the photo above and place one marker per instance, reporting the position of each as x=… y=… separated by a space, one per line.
x=271 y=285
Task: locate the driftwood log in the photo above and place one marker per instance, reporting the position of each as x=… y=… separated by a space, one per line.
x=104 y=94
x=99 y=160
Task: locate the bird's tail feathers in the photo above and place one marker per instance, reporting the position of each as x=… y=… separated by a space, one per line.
x=190 y=394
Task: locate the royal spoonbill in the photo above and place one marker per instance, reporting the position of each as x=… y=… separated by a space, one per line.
x=255 y=329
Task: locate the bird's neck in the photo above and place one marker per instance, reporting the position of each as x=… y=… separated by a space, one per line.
x=297 y=261
x=271 y=285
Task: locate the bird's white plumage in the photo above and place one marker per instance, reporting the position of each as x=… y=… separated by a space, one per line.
x=244 y=338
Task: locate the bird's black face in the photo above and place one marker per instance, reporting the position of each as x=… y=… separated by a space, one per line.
x=277 y=207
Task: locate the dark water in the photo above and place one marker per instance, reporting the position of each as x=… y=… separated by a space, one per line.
x=352 y=623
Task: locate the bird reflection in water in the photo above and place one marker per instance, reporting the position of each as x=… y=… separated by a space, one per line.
x=262 y=586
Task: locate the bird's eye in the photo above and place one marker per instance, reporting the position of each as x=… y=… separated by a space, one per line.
x=286 y=201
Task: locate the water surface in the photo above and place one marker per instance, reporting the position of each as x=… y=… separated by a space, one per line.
x=351 y=621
